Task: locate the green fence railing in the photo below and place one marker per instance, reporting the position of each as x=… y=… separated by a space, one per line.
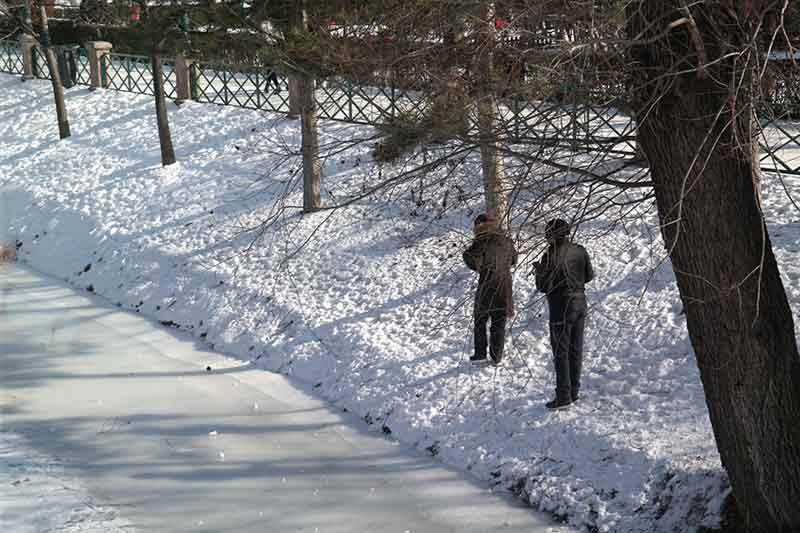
x=579 y=127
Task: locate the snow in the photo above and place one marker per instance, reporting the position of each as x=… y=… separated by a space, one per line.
x=37 y=495
x=784 y=55
x=370 y=304
x=174 y=446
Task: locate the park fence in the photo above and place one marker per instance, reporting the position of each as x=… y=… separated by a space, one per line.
x=592 y=128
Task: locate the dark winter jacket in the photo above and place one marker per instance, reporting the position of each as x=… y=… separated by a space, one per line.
x=562 y=273
x=491 y=255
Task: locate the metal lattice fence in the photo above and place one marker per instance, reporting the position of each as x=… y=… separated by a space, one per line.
x=587 y=128
x=10 y=57
x=82 y=66
x=40 y=64
x=577 y=127
x=248 y=87
x=134 y=74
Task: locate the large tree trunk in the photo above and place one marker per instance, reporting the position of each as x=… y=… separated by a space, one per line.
x=55 y=78
x=164 y=135
x=699 y=139
x=491 y=163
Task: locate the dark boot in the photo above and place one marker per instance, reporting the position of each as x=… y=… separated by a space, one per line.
x=558 y=404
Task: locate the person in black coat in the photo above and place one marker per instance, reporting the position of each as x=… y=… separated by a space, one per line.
x=491 y=255
x=561 y=274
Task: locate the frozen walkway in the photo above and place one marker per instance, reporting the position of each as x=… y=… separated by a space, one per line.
x=130 y=410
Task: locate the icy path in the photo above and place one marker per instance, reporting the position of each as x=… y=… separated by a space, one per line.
x=36 y=496
x=170 y=446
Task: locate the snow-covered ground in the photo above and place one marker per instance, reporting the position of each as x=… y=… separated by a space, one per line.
x=38 y=496
x=371 y=304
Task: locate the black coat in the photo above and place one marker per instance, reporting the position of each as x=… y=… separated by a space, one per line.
x=562 y=274
x=491 y=255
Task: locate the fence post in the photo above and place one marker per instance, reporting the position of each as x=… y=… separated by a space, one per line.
x=393 y=105
x=194 y=81
x=349 y=85
x=183 y=79
x=27 y=43
x=224 y=85
x=95 y=50
x=258 y=87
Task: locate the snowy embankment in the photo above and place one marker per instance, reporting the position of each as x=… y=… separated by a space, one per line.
x=371 y=303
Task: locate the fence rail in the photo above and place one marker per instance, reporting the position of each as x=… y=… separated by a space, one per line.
x=591 y=128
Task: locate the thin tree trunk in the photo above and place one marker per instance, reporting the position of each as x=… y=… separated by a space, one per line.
x=738 y=316
x=55 y=78
x=491 y=163
x=311 y=164
x=294 y=83
x=164 y=135
x=297 y=25
x=302 y=103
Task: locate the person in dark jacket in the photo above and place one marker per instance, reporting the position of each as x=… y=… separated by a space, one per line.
x=491 y=255
x=561 y=274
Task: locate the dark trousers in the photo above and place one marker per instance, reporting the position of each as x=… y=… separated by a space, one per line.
x=497 y=333
x=566 y=338
x=272 y=79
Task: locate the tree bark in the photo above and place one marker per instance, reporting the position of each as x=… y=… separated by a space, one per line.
x=297 y=25
x=491 y=163
x=55 y=79
x=310 y=144
x=302 y=103
x=164 y=135
x=700 y=141
x=294 y=96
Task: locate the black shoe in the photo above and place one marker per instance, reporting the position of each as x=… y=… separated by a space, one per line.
x=576 y=397
x=478 y=359
x=556 y=404
x=496 y=362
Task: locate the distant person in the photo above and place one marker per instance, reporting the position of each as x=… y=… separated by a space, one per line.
x=491 y=255
x=561 y=274
x=272 y=79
